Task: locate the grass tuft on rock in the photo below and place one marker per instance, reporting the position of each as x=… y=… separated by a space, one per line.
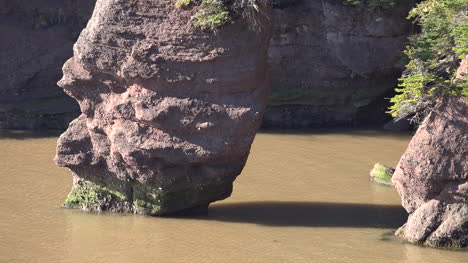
x=213 y=14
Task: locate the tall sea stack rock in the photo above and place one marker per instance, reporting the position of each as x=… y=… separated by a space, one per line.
x=169 y=111
x=432 y=178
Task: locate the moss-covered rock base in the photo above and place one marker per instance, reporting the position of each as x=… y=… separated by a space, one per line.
x=138 y=198
x=90 y=196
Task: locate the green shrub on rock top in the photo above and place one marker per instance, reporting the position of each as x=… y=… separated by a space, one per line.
x=434 y=57
x=181 y=3
x=215 y=13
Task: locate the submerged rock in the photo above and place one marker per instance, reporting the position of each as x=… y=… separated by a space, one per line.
x=168 y=111
x=382 y=174
x=432 y=178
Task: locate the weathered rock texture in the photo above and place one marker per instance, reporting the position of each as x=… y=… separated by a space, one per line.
x=168 y=111
x=36 y=39
x=334 y=64
x=463 y=69
x=432 y=178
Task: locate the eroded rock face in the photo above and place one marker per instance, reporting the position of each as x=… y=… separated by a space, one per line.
x=168 y=111
x=432 y=178
x=334 y=64
x=36 y=39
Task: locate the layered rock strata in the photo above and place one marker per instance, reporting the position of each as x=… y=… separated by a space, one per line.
x=334 y=64
x=432 y=178
x=169 y=111
x=36 y=39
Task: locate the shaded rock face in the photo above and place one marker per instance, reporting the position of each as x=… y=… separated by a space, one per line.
x=432 y=178
x=36 y=39
x=168 y=111
x=334 y=64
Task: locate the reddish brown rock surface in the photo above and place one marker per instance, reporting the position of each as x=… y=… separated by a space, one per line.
x=168 y=111
x=432 y=178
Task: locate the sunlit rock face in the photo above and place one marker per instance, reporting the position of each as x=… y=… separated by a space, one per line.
x=432 y=178
x=169 y=111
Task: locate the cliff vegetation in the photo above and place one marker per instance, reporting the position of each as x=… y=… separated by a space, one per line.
x=433 y=58
x=214 y=13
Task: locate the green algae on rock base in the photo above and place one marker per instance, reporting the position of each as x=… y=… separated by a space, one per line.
x=138 y=198
x=154 y=201
x=90 y=196
x=382 y=174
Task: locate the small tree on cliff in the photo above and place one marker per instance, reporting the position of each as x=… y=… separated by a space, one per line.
x=215 y=13
x=434 y=56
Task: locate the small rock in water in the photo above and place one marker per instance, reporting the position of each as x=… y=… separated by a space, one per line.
x=382 y=174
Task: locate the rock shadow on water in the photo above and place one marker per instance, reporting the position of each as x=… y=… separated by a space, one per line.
x=308 y=214
x=28 y=134
x=372 y=131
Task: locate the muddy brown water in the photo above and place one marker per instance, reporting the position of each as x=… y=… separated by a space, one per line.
x=303 y=197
